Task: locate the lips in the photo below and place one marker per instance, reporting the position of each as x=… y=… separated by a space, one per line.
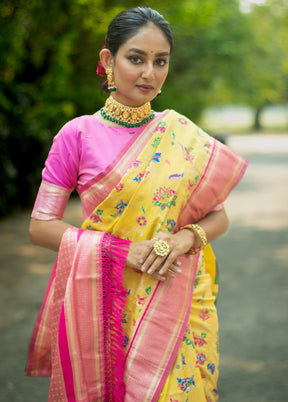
x=145 y=88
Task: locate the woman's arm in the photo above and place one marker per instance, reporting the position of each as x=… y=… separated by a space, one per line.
x=47 y=233
x=214 y=224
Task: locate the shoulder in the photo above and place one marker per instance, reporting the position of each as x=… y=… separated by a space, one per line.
x=78 y=122
x=74 y=129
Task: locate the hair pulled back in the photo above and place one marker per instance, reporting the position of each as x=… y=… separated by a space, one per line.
x=128 y=22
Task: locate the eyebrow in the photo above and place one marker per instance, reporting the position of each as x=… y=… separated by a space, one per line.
x=135 y=50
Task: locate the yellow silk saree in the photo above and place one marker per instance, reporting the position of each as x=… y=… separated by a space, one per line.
x=159 y=348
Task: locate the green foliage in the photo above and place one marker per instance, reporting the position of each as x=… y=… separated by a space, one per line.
x=49 y=54
x=31 y=92
x=260 y=76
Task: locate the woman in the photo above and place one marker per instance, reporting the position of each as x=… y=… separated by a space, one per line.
x=129 y=312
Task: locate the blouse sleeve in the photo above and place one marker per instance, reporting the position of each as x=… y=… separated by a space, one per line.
x=59 y=177
x=62 y=164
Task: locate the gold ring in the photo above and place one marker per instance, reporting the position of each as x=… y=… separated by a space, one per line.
x=161 y=247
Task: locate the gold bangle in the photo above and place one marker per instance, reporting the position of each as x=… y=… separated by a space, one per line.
x=202 y=235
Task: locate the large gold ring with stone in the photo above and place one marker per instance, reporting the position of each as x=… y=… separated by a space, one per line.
x=161 y=248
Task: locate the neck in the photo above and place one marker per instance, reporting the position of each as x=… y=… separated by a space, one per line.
x=127 y=116
x=116 y=101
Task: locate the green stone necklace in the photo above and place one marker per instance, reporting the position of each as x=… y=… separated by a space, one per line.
x=126 y=116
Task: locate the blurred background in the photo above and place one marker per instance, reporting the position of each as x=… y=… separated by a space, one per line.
x=229 y=74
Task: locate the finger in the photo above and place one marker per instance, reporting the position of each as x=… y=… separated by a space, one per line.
x=161 y=250
x=173 y=270
x=170 y=274
x=169 y=264
x=143 y=258
x=163 y=263
x=159 y=277
x=149 y=261
x=156 y=265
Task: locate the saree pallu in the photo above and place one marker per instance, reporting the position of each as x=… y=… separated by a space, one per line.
x=173 y=175
x=82 y=354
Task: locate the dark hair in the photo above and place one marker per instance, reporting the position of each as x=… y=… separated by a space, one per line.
x=127 y=23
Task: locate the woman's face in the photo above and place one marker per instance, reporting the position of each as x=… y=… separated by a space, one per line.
x=140 y=66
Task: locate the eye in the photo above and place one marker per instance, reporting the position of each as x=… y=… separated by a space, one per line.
x=135 y=59
x=161 y=62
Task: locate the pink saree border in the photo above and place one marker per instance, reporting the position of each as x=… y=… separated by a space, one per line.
x=39 y=360
x=222 y=160
x=144 y=377
x=65 y=359
x=83 y=319
x=180 y=338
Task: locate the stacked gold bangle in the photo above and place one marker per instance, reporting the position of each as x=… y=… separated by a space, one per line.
x=202 y=235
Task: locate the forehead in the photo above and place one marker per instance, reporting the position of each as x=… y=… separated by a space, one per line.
x=148 y=38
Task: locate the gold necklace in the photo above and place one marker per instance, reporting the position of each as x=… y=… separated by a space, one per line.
x=126 y=116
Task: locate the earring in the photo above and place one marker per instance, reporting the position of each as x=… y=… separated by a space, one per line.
x=110 y=80
x=159 y=93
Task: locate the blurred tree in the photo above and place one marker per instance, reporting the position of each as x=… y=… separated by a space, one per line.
x=262 y=72
x=260 y=76
x=34 y=68
x=280 y=9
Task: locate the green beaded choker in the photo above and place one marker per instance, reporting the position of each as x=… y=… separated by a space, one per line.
x=125 y=115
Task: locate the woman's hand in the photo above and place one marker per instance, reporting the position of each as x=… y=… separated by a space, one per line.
x=142 y=256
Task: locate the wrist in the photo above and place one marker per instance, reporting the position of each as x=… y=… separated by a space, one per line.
x=191 y=237
x=200 y=238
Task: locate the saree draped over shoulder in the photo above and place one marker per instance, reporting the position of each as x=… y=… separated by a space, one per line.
x=106 y=333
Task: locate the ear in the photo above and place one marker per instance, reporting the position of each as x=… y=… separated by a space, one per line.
x=106 y=58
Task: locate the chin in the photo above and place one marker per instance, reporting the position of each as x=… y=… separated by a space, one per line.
x=135 y=102
x=144 y=98
x=135 y=99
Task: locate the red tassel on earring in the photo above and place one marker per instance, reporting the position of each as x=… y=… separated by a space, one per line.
x=100 y=69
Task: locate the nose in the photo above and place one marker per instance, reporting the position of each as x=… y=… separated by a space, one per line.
x=148 y=72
